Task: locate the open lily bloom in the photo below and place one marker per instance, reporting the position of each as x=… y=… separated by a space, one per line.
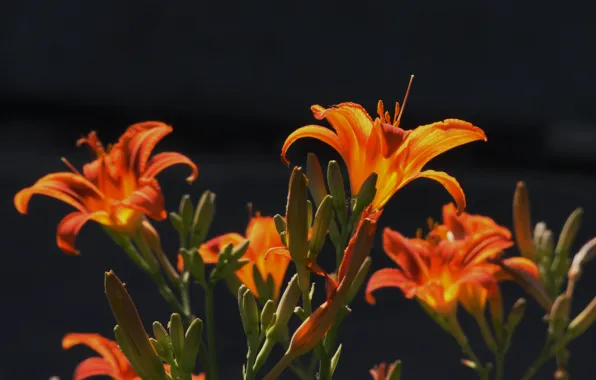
x=118 y=189
x=451 y=264
x=381 y=146
x=112 y=361
x=262 y=236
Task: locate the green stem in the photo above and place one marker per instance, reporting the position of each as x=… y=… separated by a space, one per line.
x=486 y=332
x=462 y=340
x=211 y=332
x=500 y=364
x=251 y=355
x=546 y=353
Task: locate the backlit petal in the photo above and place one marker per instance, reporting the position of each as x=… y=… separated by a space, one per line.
x=389 y=278
x=107 y=348
x=69 y=188
x=316 y=132
x=95 y=367
x=164 y=160
x=428 y=141
x=141 y=139
x=405 y=253
x=450 y=184
x=69 y=228
x=276 y=264
x=148 y=199
x=210 y=250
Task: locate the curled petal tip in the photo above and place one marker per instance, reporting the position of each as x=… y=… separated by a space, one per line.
x=285 y=160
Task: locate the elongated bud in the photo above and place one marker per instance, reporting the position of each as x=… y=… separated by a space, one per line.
x=583 y=321
x=320 y=227
x=251 y=312
x=566 y=239
x=366 y=194
x=280 y=223
x=177 y=335
x=193 y=262
x=192 y=344
x=316 y=180
x=358 y=280
x=586 y=253
x=543 y=243
x=516 y=314
x=163 y=339
x=177 y=223
x=128 y=349
x=296 y=217
x=185 y=210
x=337 y=190
x=202 y=219
x=285 y=308
x=558 y=317
x=267 y=314
x=131 y=328
x=394 y=372
x=521 y=221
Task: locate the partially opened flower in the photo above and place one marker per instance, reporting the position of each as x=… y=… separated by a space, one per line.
x=382 y=371
x=262 y=236
x=111 y=361
x=381 y=146
x=451 y=264
x=118 y=189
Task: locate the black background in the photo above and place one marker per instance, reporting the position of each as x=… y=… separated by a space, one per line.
x=234 y=79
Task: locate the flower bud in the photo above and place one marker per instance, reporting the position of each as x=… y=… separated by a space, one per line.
x=285 y=308
x=202 y=219
x=359 y=280
x=558 y=317
x=570 y=229
x=394 y=372
x=337 y=189
x=297 y=217
x=163 y=339
x=583 y=321
x=585 y=254
x=131 y=331
x=192 y=344
x=185 y=210
x=316 y=181
x=267 y=314
x=366 y=194
x=177 y=335
x=280 y=223
x=521 y=221
x=320 y=227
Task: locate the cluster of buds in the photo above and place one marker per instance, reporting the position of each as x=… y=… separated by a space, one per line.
x=178 y=349
x=557 y=266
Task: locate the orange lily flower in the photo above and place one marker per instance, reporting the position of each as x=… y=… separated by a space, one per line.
x=382 y=147
x=112 y=361
x=382 y=371
x=262 y=236
x=451 y=264
x=118 y=189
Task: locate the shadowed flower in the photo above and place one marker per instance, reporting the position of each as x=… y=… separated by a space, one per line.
x=381 y=146
x=451 y=264
x=118 y=189
x=382 y=371
x=112 y=361
x=262 y=236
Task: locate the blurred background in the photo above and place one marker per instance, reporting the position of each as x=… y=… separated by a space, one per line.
x=234 y=79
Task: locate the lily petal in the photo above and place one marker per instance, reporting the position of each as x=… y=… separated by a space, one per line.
x=210 y=250
x=164 y=160
x=405 y=253
x=428 y=141
x=389 y=278
x=141 y=139
x=107 y=348
x=316 y=132
x=69 y=228
x=276 y=265
x=148 y=199
x=450 y=184
x=69 y=188
x=95 y=367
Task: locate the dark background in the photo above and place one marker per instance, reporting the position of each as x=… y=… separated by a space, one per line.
x=234 y=79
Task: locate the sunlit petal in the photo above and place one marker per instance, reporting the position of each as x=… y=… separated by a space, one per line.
x=164 y=160
x=316 y=132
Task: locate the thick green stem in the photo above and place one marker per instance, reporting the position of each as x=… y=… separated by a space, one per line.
x=211 y=332
x=547 y=352
x=500 y=364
